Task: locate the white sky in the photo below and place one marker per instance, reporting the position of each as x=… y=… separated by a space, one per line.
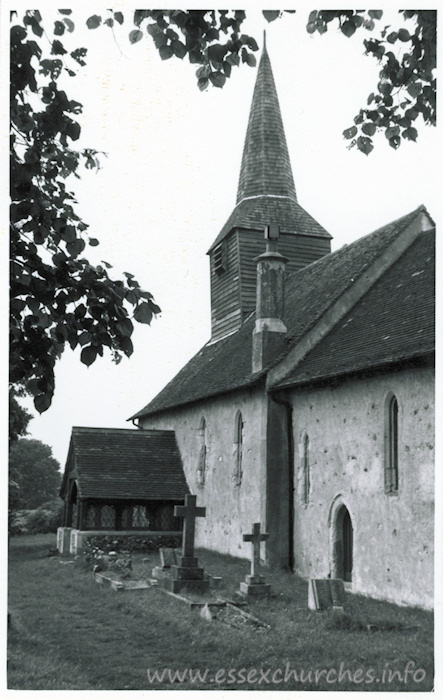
x=170 y=179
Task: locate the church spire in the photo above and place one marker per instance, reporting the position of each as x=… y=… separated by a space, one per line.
x=266 y=168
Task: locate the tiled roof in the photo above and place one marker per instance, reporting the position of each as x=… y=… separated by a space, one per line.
x=254 y=213
x=392 y=322
x=226 y=365
x=127 y=464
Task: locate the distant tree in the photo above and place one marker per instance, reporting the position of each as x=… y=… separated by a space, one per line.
x=18 y=418
x=34 y=474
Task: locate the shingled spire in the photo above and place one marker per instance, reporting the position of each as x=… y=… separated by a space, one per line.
x=266 y=198
x=266 y=168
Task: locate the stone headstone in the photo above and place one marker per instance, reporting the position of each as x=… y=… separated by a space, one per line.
x=64 y=540
x=324 y=593
x=186 y=573
x=337 y=592
x=255 y=584
x=168 y=557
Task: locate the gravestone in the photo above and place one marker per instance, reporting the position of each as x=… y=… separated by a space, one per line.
x=324 y=593
x=255 y=583
x=64 y=540
x=168 y=557
x=186 y=573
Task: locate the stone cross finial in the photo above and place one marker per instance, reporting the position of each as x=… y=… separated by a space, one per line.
x=255 y=538
x=190 y=511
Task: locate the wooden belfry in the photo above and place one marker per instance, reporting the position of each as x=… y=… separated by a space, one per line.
x=255 y=583
x=187 y=573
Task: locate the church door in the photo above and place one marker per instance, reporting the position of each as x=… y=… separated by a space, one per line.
x=342 y=556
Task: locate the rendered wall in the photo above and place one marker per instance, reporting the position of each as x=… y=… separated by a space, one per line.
x=393 y=534
x=230 y=510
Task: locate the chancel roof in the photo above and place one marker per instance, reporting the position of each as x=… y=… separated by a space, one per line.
x=393 y=321
x=226 y=365
x=113 y=463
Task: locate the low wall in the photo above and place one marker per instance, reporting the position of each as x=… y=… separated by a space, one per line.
x=135 y=540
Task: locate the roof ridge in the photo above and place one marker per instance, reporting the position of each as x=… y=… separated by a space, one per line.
x=402 y=220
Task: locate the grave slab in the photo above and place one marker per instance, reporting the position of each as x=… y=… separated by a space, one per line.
x=325 y=593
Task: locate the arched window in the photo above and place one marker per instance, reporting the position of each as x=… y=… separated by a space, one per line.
x=238 y=449
x=201 y=466
x=391 y=444
x=305 y=475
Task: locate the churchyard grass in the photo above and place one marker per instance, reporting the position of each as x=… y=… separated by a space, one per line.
x=69 y=633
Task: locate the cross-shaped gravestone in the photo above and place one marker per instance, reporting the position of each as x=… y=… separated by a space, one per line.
x=256 y=537
x=190 y=511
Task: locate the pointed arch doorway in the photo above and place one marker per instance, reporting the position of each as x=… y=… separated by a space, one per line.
x=342 y=532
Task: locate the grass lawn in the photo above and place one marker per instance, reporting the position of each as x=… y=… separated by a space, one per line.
x=69 y=633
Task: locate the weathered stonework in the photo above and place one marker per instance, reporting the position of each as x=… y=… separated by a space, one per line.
x=392 y=533
x=230 y=508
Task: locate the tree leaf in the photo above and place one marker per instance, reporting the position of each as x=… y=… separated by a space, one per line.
x=179 y=49
x=271 y=15
x=217 y=79
x=118 y=16
x=375 y=14
x=59 y=28
x=414 y=89
x=369 y=128
x=165 y=52
x=125 y=327
x=395 y=142
x=143 y=313
x=135 y=36
x=410 y=133
x=403 y=34
x=217 y=52
x=126 y=346
x=88 y=355
x=364 y=145
x=350 y=133
x=93 y=22
x=348 y=28
x=42 y=402
x=69 y=24
x=94 y=242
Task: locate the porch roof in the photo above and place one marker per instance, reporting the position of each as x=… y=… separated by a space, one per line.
x=125 y=464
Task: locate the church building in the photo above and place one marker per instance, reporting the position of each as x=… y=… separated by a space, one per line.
x=311 y=407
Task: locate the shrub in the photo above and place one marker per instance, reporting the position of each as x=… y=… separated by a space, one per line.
x=46 y=518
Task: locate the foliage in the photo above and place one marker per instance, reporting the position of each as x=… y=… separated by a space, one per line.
x=57 y=295
x=34 y=474
x=407 y=86
x=18 y=418
x=211 y=39
x=46 y=518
